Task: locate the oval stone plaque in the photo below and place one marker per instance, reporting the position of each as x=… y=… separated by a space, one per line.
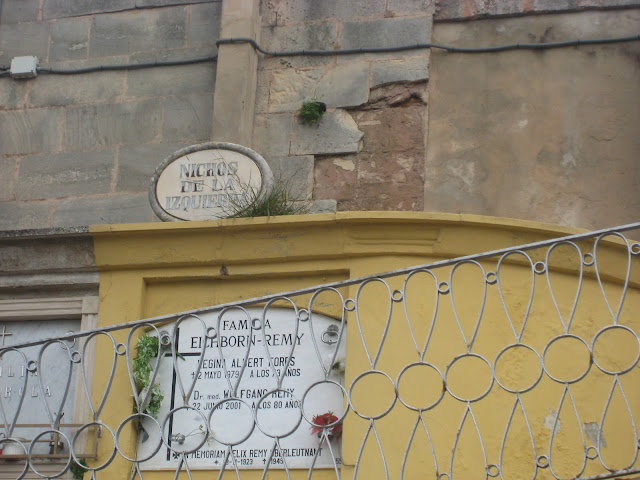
x=208 y=181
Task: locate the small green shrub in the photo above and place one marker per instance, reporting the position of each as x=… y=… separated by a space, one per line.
x=311 y=112
x=76 y=469
x=274 y=203
x=147 y=348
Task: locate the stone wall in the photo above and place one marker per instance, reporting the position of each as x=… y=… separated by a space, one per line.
x=548 y=135
x=80 y=149
x=543 y=135
x=357 y=157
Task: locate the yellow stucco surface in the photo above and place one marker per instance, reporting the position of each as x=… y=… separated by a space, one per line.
x=150 y=270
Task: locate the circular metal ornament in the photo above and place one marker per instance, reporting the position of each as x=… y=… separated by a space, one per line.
x=208 y=181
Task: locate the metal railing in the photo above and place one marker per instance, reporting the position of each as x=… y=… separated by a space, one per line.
x=515 y=363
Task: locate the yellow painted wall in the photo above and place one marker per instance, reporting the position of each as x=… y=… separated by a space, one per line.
x=149 y=270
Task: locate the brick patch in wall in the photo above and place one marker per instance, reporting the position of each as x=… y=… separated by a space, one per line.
x=388 y=173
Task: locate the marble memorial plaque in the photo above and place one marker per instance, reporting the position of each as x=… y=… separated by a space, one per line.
x=20 y=390
x=238 y=394
x=208 y=181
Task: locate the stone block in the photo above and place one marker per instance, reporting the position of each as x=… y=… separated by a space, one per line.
x=12 y=94
x=16 y=11
x=323 y=206
x=319 y=36
x=76 y=8
x=89 y=126
x=408 y=69
x=292 y=11
x=52 y=90
x=271 y=134
x=23 y=39
x=294 y=175
x=123 y=208
x=345 y=85
x=19 y=215
x=165 y=3
x=403 y=7
x=171 y=80
x=29 y=131
x=387 y=32
x=188 y=118
x=262 y=91
x=336 y=132
x=65 y=175
x=137 y=163
x=128 y=32
x=7 y=179
x=69 y=39
x=288 y=88
x=204 y=27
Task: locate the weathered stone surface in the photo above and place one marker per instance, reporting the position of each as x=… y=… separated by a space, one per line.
x=111 y=209
x=89 y=126
x=322 y=206
x=393 y=130
x=64 y=175
x=188 y=118
x=17 y=40
x=137 y=163
x=406 y=69
x=540 y=136
x=336 y=132
x=163 y=3
x=54 y=90
x=288 y=88
x=19 y=215
x=69 y=39
x=400 y=7
x=387 y=32
x=204 y=27
x=271 y=134
x=345 y=85
x=463 y=9
x=335 y=178
x=8 y=169
x=262 y=91
x=16 y=11
x=76 y=8
x=294 y=175
x=47 y=250
x=342 y=86
x=172 y=80
x=278 y=13
x=12 y=94
x=29 y=131
x=128 y=32
x=319 y=36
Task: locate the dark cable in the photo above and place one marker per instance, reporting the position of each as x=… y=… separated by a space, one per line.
x=350 y=51
x=417 y=46
x=127 y=66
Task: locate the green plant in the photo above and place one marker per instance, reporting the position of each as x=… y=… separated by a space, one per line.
x=311 y=112
x=77 y=469
x=147 y=348
x=276 y=202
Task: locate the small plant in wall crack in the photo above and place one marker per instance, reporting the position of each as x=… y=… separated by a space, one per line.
x=311 y=112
